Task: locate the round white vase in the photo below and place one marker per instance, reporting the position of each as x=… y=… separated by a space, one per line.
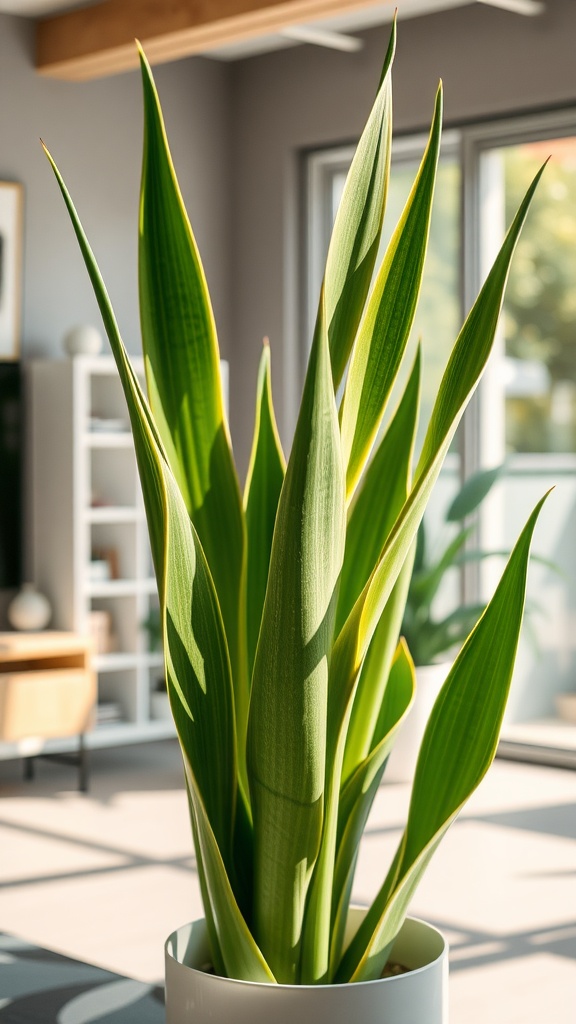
x=402 y=760
x=419 y=996
x=83 y=340
x=29 y=610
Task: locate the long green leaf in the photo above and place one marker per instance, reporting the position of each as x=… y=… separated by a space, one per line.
x=358 y=793
x=458 y=747
x=197 y=662
x=198 y=669
x=469 y=355
x=464 y=368
x=183 y=376
x=241 y=956
x=372 y=680
x=377 y=505
x=341 y=761
x=385 y=327
x=348 y=743
x=288 y=706
x=356 y=234
x=261 y=494
x=380 y=497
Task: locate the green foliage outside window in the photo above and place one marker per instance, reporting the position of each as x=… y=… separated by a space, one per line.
x=540 y=305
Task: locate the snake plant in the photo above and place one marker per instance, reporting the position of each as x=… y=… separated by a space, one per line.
x=281 y=606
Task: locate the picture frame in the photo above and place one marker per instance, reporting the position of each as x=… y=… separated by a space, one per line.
x=11 y=207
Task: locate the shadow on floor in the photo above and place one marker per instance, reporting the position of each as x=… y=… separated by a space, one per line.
x=476 y=948
x=556 y=820
x=146 y=767
x=128 y=862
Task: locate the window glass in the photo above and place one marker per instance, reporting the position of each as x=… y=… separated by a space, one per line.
x=540 y=306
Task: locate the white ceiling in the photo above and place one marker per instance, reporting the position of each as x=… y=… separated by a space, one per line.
x=352 y=21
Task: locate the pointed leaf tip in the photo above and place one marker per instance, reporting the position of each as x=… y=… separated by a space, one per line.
x=390 y=52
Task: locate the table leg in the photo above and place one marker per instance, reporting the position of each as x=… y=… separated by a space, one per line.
x=83 y=765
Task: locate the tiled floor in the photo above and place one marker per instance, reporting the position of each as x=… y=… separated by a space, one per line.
x=106 y=877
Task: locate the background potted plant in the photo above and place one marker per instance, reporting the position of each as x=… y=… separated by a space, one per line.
x=434 y=638
x=281 y=610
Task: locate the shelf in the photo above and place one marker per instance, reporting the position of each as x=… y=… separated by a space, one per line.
x=119 y=659
x=154 y=659
x=105 y=365
x=130 y=732
x=115 y=661
x=95 y=439
x=114 y=514
x=120 y=588
x=84 y=453
x=112 y=735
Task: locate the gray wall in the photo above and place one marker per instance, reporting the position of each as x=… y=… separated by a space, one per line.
x=238 y=132
x=491 y=63
x=94 y=131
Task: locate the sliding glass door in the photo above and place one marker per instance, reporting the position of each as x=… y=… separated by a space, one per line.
x=527 y=414
x=524 y=415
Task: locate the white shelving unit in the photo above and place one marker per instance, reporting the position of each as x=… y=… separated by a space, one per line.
x=87 y=507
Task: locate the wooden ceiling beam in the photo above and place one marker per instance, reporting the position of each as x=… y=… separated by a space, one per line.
x=99 y=40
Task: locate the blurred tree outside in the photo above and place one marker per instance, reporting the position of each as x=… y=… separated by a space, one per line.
x=540 y=306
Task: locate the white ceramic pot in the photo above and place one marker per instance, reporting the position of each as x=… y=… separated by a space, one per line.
x=419 y=996
x=402 y=760
x=29 y=610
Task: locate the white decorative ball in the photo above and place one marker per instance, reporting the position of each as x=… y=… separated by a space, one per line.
x=83 y=340
x=29 y=610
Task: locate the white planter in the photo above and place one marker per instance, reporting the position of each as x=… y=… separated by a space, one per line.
x=402 y=760
x=417 y=997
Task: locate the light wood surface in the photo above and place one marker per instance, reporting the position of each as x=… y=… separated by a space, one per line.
x=48 y=643
x=99 y=40
x=47 y=685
